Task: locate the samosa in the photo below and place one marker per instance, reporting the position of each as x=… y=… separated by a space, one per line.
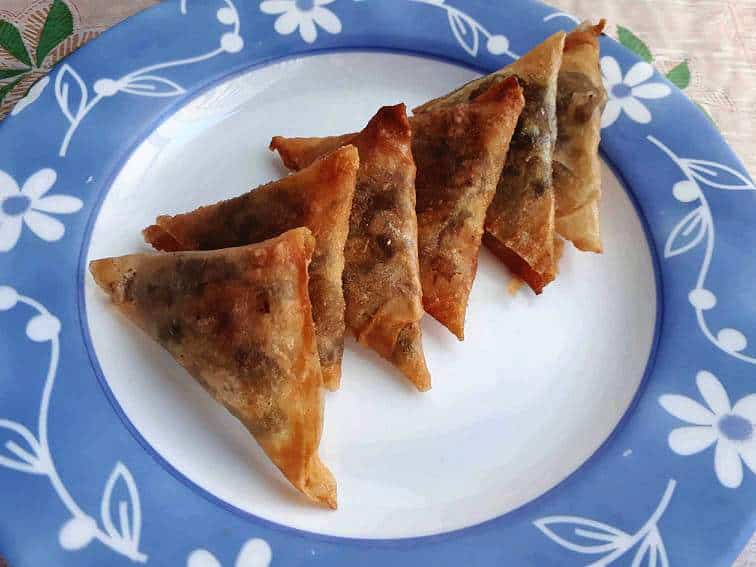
x=320 y=198
x=382 y=275
x=581 y=98
x=239 y=321
x=520 y=224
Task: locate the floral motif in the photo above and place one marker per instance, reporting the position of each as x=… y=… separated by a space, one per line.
x=141 y=82
x=22 y=451
x=29 y=205
x=254 y=553
x=468 y=31
x=625 y=92
x=589 y=537
x=730 y=427
x=302 y=14
x=697 y=227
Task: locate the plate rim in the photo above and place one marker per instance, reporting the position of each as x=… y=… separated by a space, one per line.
x=81 y=304
x=79 y=59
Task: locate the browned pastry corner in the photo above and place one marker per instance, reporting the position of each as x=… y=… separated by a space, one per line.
x=381 y=276
x=460 y=152
x=581 y=98
x=520 y=226
x=239 y=321
x=320 y=198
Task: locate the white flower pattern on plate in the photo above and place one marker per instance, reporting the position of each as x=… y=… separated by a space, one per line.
x=27 y=452
x=732 y=428
x=31 y=96
x=624 y=93
x=28 y=205
x=254 y=553
x=302 y=14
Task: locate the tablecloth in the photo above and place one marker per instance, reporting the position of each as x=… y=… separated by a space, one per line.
x=706 y=47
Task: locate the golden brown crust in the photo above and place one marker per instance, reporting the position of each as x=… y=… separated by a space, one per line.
x=536 y=66
x=298 y=153
x=459 y=152
x=586 y=33
x=577 y=168
x=320 y=198
x=239 y=320
x=159 y=239
x=381 y=276
x=582 y=227
x=519 y=267
x=521 y=216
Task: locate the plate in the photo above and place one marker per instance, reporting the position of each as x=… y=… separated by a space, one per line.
x=609 y=421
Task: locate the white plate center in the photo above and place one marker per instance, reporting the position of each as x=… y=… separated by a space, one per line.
x=537 y=386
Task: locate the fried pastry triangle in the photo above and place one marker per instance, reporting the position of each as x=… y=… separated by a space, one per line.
x=239 y=321
x=520 y=222
x=459 y=152
x=320 y=198
x=381 y=274
x=298 y=153
x=581 y=98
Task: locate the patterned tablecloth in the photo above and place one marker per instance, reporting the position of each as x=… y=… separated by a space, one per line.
x=706 y=47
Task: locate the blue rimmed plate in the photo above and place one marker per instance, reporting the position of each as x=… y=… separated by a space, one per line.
x=610 y=421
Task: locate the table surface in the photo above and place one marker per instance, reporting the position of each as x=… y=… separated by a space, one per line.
x=710 y=44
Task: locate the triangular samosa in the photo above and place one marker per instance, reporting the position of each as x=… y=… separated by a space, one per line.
x=381 y=273
x=320 y=198
x=239 y=320
x=459 y=152
x=581 y=98
x=520 y=223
